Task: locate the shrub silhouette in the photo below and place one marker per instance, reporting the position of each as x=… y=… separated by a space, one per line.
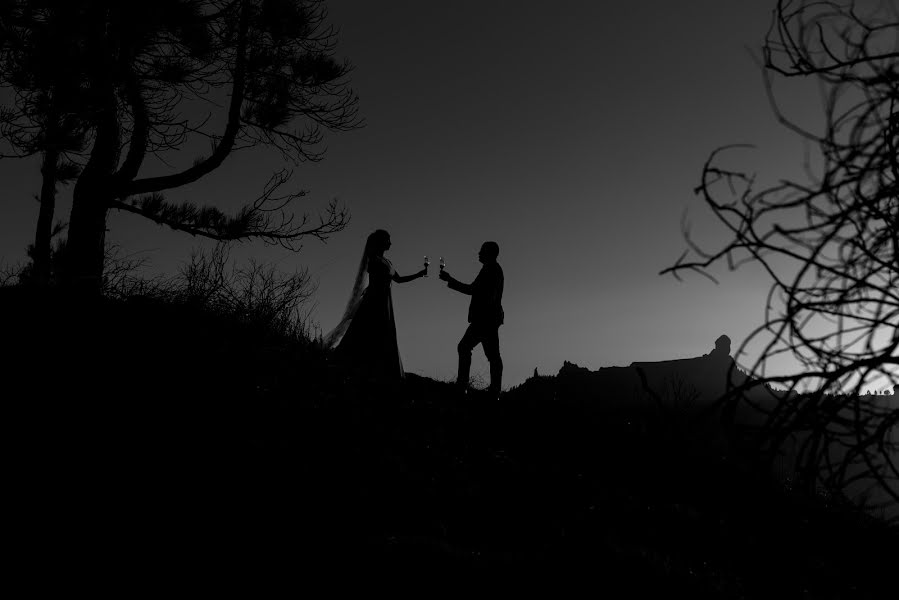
x=827 y=244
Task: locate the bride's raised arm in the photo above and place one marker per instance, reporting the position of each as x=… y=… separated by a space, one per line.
x=403 y=279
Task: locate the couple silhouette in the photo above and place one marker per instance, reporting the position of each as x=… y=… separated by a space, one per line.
x=365 y=338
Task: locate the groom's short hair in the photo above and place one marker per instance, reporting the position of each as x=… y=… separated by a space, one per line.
x=491 y=249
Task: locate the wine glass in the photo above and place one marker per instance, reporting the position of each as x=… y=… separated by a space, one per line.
x=427 y=264
x=442 y=264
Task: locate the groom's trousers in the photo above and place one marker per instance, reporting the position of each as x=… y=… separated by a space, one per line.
x=488 y=337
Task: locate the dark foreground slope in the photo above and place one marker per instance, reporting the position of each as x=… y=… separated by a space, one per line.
x=149 y=439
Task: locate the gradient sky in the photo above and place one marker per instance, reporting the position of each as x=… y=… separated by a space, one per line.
x=571 y=133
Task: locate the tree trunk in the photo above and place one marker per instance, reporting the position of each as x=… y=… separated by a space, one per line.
x=41 y=251
x=91 y=199
x=87 y=239
x=96 y=185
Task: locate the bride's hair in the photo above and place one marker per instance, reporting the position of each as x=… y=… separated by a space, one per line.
x=376 y=241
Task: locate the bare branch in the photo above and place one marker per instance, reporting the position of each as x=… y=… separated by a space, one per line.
x=829 y=247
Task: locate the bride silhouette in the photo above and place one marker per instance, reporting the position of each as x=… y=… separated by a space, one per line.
x=365 y=338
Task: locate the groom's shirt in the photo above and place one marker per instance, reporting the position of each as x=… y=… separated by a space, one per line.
x=486 y=292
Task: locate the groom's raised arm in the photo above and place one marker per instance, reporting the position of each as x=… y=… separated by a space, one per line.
x=465 y=288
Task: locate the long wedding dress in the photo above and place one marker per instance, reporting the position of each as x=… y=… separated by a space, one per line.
x=365 y=338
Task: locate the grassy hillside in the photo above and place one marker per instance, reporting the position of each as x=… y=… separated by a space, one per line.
x=152 y=436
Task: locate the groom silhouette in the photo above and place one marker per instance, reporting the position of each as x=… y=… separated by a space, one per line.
x=485 y=315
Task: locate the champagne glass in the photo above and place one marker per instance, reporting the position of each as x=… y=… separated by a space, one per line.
x=442 y=264
x=427 y=264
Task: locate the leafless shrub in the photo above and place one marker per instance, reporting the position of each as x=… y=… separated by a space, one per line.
x=122 y=276
x=829 y=245
x=256 y=294
x=10 y=274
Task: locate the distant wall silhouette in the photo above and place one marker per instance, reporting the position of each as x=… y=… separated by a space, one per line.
x=671 y=389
